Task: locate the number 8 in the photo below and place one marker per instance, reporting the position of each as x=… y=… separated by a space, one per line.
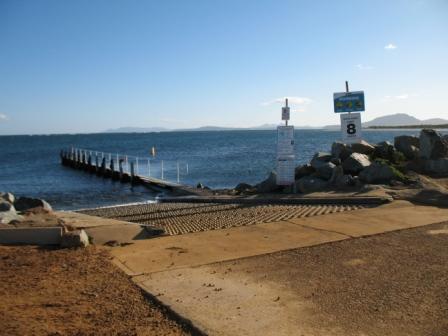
x=351 y=128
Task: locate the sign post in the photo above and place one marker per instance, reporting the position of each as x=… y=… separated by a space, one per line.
x=285 y=150
x=351 y=127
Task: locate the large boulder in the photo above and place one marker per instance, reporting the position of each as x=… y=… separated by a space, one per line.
x=408 y=145
x=320 y=157
x=8 y=197
x=309 y=184
x=303 y=170
x=340 y=150
x=377 y=172
x=432 y=145
x=355 y=163
x=268 y=185
x=243 y=187
x=362 y=147
x=324 y=170
x=341 y=180
x=10 y=215
x=6 y=206
x=385 y=150
x=76 y=238
x=26 y=203
x=437 y=167
x=321 y=163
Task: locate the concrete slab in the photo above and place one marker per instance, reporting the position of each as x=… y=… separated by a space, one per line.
x=121 y=233
x=82 y=221
x=207 y=247
x=31 y=236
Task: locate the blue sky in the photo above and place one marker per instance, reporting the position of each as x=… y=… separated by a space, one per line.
x=87 y=66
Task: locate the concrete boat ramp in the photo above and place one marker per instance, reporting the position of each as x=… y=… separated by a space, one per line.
x=273 y=278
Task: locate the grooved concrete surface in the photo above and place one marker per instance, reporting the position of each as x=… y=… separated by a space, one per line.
x=181 y=218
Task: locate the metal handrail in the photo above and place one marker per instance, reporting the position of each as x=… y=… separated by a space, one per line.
x=144 y=166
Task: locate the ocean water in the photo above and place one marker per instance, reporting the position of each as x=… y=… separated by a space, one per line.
x=30 y=165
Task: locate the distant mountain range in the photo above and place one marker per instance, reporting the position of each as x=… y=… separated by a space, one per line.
x=399 y=119
x=403 y=119
x=197 y=129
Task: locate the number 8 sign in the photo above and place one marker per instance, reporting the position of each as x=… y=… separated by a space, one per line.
x=351 y=127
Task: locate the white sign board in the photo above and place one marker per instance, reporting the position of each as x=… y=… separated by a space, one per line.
x=285 y=140
x=285 y=170
x=285 y=155
x=351 y=127
x=285 y=113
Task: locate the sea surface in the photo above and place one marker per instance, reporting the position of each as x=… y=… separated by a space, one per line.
x=30 y=165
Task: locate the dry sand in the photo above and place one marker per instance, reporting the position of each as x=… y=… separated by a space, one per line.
x=74 y=292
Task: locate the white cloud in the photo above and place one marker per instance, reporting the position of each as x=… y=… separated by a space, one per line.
x=390 y=46
x=291 y=100
x=402 y=96
x=3 y=117
x=364 y=67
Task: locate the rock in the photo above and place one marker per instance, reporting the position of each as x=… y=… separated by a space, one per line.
x=268 y=185
x=362 y=147
x=199 y=186
x=337 y=173
x=6 y=206
x=324 y=169
x=340 y=150
x=309 y=184
x=77 y=238
x=432 y=145
x=385 y=150
x=241 y=187
x=355 y=163
x=10 y=216
x=339 y=180
x=377 y=173
x=303 y=170
x=408 y=145
x=321 y=163
x=438 y=167
x=336 y=161
x=25 y=203
x=320 y=157
x=8 y=197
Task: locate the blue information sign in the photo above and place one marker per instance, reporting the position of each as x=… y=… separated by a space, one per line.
x=349 y=101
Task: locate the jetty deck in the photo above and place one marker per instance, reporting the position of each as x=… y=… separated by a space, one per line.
x=117 y=167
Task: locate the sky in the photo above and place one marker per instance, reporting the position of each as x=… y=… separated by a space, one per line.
x=91 y=65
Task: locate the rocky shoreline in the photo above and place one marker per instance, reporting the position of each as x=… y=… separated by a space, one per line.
x=354 y=167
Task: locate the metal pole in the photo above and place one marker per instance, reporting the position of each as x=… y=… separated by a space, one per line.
x=178 y=177
x=347 y=91
x=136 y=166
x=149 y=167
x=162 y=168
x=187 y=169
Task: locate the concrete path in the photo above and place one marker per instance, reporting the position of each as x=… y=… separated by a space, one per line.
x=181 y=270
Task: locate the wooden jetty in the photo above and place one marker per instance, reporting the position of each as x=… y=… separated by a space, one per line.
x=117 y=168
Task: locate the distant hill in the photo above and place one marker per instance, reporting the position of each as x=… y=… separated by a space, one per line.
x=137 y=130
x=197 y=129
x=402 y=119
